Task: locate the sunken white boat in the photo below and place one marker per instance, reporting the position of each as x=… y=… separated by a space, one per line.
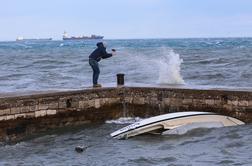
x=172 y=121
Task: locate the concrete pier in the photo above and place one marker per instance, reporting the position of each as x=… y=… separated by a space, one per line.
x=23 y=115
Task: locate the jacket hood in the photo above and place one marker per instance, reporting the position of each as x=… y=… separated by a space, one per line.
x=100 y=44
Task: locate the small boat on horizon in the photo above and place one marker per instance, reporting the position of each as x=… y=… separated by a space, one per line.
x=39 y=39
x=65 y=37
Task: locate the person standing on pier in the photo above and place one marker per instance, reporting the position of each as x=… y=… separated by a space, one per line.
x=98 y=54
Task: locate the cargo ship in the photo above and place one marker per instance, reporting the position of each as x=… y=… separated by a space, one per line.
x=65 y=37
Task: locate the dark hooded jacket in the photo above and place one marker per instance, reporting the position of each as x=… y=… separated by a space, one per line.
x=99 y=53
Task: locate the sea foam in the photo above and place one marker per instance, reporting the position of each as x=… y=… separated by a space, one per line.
x=124 y=120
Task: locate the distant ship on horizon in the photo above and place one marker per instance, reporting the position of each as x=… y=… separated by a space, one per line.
x=39 y=39
x=65 y=37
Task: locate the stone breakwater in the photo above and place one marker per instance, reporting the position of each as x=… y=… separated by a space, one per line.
x=24 y=115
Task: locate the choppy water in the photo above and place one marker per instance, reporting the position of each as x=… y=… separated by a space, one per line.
x=222 y=146
x=56 y=65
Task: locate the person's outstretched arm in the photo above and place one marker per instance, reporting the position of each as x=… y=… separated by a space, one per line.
x=105 y=54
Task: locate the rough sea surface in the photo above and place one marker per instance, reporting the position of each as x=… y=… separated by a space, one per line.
x=199 y=147
x=56 y=65
x=63 y=65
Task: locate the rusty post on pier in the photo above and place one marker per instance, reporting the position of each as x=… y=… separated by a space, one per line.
x=120 y=79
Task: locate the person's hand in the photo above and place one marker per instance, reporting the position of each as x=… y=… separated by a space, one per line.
x=113 y=52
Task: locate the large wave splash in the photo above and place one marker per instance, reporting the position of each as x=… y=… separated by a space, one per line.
x=151 y=65
x=169 y=68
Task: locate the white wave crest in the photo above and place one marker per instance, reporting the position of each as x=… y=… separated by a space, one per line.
x=169 y=68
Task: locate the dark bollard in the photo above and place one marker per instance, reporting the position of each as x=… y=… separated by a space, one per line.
x=120 y=79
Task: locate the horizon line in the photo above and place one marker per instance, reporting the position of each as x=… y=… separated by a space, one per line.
x=147 y=38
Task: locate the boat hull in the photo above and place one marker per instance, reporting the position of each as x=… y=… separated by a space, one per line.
x=172 y=121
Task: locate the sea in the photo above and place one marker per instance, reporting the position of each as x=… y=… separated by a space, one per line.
x=35 y=66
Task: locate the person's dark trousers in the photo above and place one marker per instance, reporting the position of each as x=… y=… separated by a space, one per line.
x=96 y=71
